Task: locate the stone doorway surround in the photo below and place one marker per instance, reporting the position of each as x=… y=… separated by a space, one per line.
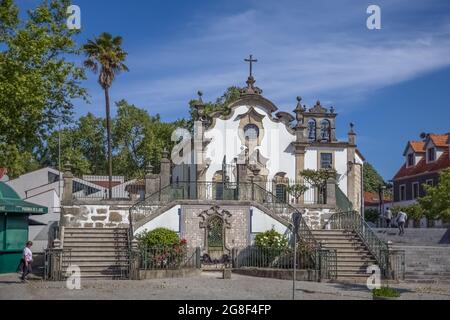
x=209 y=216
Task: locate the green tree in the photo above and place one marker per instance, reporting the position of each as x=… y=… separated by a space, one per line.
x=83 y=145
x=38 y=84
x=436 y=203
x=139 y=139
x=372 y=179
x=106 y=57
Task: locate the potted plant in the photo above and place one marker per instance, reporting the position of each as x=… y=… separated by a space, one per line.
x=385 y=293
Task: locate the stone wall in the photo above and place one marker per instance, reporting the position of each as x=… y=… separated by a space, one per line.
x=95 y=216
x=236 y=235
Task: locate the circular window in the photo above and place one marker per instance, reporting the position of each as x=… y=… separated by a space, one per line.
x=251 y=131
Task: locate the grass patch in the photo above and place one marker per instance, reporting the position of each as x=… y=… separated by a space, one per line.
x=386 y=292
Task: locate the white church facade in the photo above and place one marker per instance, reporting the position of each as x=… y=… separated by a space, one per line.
x=232 y=177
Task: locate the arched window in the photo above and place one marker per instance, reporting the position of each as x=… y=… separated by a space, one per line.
x=312 y=130
x=251 y=131
x=325 y=130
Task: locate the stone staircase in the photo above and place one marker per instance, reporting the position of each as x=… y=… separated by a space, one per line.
x=353 y=257
x=427 y=264
x=100 y=253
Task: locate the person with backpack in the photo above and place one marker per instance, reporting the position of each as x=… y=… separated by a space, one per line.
x=401 y=220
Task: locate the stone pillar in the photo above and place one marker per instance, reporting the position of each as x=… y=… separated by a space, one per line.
x=152 y=181
x=331 y=191
x=351 y=177
x=165 y=170
x=67 y=197
x=300 y=144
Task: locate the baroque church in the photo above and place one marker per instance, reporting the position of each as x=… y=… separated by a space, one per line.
x=238 y=168
x=232 y=178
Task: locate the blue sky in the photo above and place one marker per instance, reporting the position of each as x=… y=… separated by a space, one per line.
x=393 y=83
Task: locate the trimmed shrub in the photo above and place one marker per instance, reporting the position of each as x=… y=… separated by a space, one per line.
x=160 y=237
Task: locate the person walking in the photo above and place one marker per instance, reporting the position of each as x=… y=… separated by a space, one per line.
x=27 y=260
x=388 y=217
x=401 y=220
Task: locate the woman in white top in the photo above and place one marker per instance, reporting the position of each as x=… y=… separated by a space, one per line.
x=27 y=260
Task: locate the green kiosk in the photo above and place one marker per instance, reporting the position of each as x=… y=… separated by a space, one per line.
x=14 y=213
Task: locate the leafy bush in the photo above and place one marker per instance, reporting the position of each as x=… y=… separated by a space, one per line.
x=371 y=215
x=162 y=249
x=386 y=292
x=271 y=240
x=159 y=237
x=414 y=212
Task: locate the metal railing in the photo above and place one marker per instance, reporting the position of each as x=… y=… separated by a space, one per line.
x=321 y=260
x=220 y=192
x=55 y=261
x=97 y=188
x=169 y=258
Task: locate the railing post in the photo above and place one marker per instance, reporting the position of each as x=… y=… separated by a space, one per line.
x=198 y=263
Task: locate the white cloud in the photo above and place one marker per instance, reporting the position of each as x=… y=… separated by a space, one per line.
x=298 y=55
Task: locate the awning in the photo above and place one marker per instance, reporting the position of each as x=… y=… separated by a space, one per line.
x=10 y=202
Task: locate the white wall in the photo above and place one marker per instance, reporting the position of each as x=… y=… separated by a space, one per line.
x=275 y=144
x=169 y=220
x=261 y=222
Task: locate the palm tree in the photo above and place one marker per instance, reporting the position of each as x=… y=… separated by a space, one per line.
x=105 y=54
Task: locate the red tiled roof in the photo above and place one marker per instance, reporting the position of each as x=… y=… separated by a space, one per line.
x=440 y=140
x=417 y=146
x=373 y=198
x=423 y=167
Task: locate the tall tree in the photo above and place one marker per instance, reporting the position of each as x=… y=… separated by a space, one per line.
x=38 y=84
x=139 y=139
x=372 y=179
x=106 y=57
x=83 y=145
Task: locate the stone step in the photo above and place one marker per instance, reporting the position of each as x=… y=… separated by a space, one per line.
x=350 y=275
x=97 y=230
x=96 y=264
x=78 y=244
x=353 y=263
x=103 y=275
x=95 y=236
x=100 y=268
x=95 y=250
x=102 y=259
x=95 y=239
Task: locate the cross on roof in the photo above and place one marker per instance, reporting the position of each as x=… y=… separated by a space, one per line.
x=250 y=61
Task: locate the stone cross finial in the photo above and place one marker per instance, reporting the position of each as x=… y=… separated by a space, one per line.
x=200 y=95
x=250 y=61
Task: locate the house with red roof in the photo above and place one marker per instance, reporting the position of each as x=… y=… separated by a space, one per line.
x=423 y=161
